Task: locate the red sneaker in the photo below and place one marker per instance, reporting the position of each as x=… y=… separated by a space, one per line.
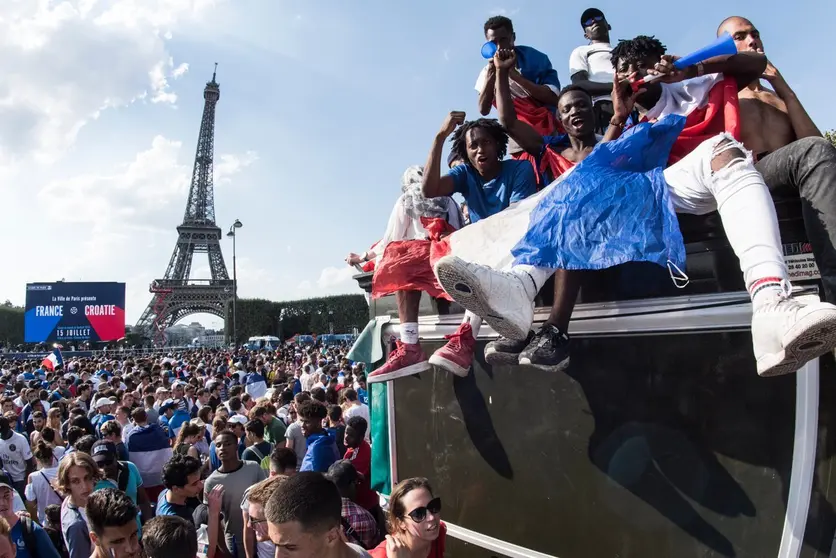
x=405 y=360
x=457 y=355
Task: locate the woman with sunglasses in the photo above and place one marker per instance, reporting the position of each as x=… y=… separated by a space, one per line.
x=414 y=522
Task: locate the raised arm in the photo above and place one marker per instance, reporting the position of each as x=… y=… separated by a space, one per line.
x=523 y=134
x=623 y=101
x=486 y=96
x=433 y=184
x=802 y=124
x=744 y=67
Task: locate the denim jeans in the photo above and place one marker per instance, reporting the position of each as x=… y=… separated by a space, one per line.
x=807 y=167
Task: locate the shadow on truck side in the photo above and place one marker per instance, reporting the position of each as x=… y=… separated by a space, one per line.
x=660 y=439
x=648 y=446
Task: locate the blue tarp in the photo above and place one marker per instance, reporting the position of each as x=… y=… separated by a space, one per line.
x=612 y=209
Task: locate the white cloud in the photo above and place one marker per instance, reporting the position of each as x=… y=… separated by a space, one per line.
x=229 y=164
x=503 y=12
x=180 y=70
x=123 y=220
x=64 y=63
x=336 y=277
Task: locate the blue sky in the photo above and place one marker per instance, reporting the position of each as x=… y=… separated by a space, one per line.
x=323 y=105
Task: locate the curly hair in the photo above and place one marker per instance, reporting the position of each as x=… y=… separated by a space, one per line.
x=637 y=49
x=491 y=126
x=498 y=21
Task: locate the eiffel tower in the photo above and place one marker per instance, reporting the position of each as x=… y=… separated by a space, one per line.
x=176 y=295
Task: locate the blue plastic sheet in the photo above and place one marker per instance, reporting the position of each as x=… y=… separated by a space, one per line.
x=613 y=208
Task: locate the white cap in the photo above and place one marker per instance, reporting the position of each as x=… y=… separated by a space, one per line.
x=240 y=419
x=102 y=401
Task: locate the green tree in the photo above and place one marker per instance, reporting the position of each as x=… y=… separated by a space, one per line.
x=831 y=137
x=285 y=319
x=11 y=324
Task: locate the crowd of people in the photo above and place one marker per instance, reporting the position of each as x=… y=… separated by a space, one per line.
x=597 y=171
x=201 y=453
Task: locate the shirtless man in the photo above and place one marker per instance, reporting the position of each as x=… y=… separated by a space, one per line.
x=790 y=151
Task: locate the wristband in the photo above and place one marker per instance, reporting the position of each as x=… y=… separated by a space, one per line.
x=617 y=124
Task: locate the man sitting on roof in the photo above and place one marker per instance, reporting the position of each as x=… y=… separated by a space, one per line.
x=713 y=171
x=789 y=150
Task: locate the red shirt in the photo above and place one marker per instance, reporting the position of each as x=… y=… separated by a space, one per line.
x=436 y=550
x=361 y=458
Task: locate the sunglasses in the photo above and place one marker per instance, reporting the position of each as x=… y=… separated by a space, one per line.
x=420 y=514
x=592 y=20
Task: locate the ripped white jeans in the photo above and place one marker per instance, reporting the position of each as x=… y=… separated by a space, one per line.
x=738 y=192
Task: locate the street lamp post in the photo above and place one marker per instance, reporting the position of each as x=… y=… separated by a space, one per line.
x=232 y=229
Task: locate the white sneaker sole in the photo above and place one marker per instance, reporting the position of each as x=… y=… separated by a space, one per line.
x=494 y=357
x=449 y=365
x=560 y=367
x=808 y=339
x=410 y=370
x=459 y=283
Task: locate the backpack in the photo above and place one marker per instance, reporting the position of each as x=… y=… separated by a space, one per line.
x=29 y=536
x=264 y=460
x=124 y=476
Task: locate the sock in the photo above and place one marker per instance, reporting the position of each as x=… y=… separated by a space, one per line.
x=475 y=322
x=409 y=333
x=533 y=277
x=764 y=289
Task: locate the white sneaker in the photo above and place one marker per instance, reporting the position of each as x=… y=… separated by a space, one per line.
x=786 y=333
x=497 y=297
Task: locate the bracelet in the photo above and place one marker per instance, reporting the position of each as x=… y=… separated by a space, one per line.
x=617 y=124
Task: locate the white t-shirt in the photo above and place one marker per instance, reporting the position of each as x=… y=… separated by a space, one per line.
x=684 y=97
x=403 y=227
x=595 y=60
x=39 y=490
x=15 y=452
x=360 y=410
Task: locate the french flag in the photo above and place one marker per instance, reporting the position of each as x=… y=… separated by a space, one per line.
x=255 y=385
x=613 y=207
x=149 y=449
x=53 y=360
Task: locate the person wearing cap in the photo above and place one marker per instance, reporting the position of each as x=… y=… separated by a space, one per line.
x=172 y=417
x=123 y=475
x=24 y=536
x=590 y=66
x=16 y=454
x=103 y=407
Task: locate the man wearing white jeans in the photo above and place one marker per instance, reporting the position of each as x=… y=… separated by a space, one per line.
x=718 y=174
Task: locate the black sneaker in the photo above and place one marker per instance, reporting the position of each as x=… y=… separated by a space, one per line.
x=506 y=351
x=549 y=349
